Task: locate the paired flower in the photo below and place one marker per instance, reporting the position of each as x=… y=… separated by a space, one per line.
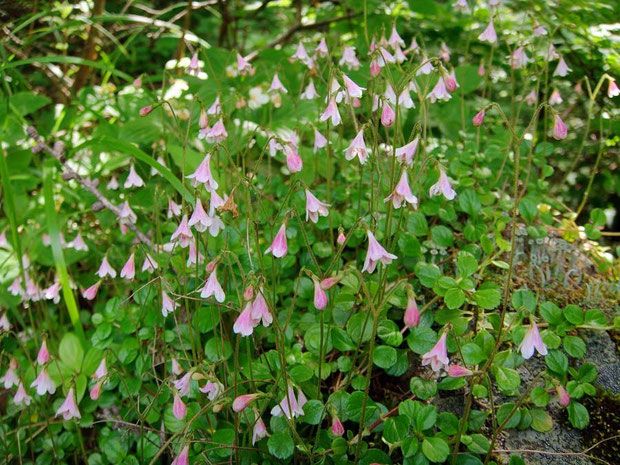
x=203 y=175
x=290 y=406
x=213 y=288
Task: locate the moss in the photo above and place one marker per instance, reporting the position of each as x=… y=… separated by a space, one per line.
x=604 y=412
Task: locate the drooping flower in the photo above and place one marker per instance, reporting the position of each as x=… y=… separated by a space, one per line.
x=539 y=31
x=127 y=215
x=217 y=133
x=44 y=355
x=562 y=68
x=314 y=207
x=395 y=40
x=102 y=370
x=353 y=90
x=194 y=65
x=21 y=396
x=341 y=239
x=551 y=54
x=69 y=408
x=412 y=314
x=290 y=406
x=309 y=92
x=178 y=407
x=276 y=85
x=531 y=98
x=106 y=270
x=199 y=219
x=387 y=115
x=444 y=53
x=319 y=141
x=146 y=110
x=331 y=111
x=95 y=391
x=461 y=5
x=91 y=292
x=613 y=90
x=457 y=371
x=337 y=427
x=129 y=270
x=245 y=324
x=183 y=234
x=167 y=304
x=5 y=324
x=519 y=58
x=376 y=253
x=439 y=92
x=78 y=243
x=406 y=153
x=241 y=402
x=260 y=311
x=320 y=296
x=203 y=175
x=212 y=389
x=133 y=180
x=563 y=396
x=302 y=55
x=357 y=148
x=10 y=378
x=150 y=264
x=348 y=58
x=559 y=128
x=212 y=288
x=184 y=384
x=294 y=163
x=450 y=82
x=531 y=341
x=442 y=186
x=260 y=430
x=182 y=458
x=555 y=98
x=405 y=100
x=426 y=67
x=481 y=70
x=437 y=356
x=278 y=247
x=243 y=66
x=402 y=193
x=321 y=49
x=488 y=35
x=478 y=119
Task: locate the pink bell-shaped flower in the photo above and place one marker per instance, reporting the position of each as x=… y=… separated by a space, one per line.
x=531 y=341
x=203 y=175
x=488 y=35
x=457 y=371
x=437 y=356
x=559 y=128
x=106 y=270
x=44 y=355
x=331 y=112
x=182 y=458
x=183 y=235
x=278 y=247
x=167 y=304
x=376 y=253
x=69 y=408
x=245 y=324
x=442 y=186
x=402 y=193
x=91 y=292
x=357 y=148
x=21 y=397
x=129 y=270
x=314 y=207
x=241 y=402
x=259 y=431
x=260 y=310
x=320 y=296
x=212 y=288
x=133 y=180
x=562 y=68
x=294 y=163
x=406 y=153
x=309 y=92
x=179 y=409
x=412 y=314
x=478 y=119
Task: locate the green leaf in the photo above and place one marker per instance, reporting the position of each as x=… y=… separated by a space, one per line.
x=341 y=340
x=70 y=352
x=541 y=420
x=551 y=313
x=421 y=339
x=557 y=361
x=573 y=314
x=528 y=209
x=423 y=388
x=416 y=223
x=469 y=202
x=442 y=236
x=524 y=298
x=476 y=443
x=467 y=264
x=472 y=354
x=427 y=273
x=504 y=411
x=574 y=346
x=389 y=333
x=454 y=298
x=313 y=412
x=281 y=445
x=384 y=356
x=426 y=418
x=435 y=449
x=487 y=298
x=507 y=378
x=540 y=397
x=359 y=328
x=578 y=415
x=396 y=429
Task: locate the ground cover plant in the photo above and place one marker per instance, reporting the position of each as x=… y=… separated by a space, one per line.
x=306 y=232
